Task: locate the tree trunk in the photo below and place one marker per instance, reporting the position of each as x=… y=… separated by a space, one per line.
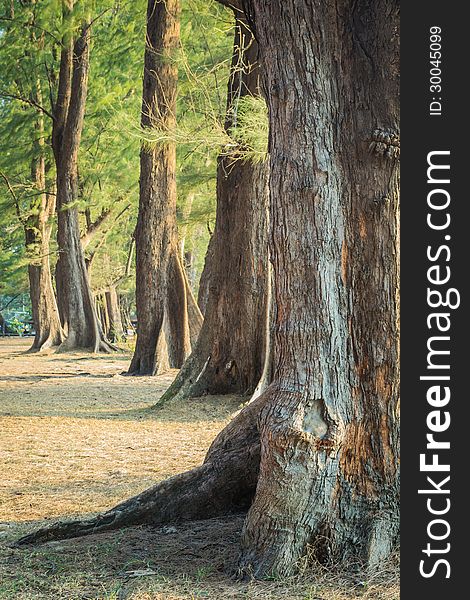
x=101 y=307
x=228 y=357
x=325 y=433
x=116 y=330
x=195 y=318
x=178 y=340
x=76 y=299
x=47 y=326
x=329 y=430
x=203 y=292
x=38 y=226
x=156 y=233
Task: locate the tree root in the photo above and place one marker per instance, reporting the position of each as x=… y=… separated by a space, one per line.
x=224 y=484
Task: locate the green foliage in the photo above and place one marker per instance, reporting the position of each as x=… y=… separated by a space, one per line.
x=17 y=326
x=31 y=36
x=251 y=129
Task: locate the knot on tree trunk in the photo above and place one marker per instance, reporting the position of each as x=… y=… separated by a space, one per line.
x=385 y=142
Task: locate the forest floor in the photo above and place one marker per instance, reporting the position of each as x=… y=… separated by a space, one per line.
x=76 y=438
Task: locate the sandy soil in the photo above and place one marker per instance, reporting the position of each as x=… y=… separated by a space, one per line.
x=77 y=437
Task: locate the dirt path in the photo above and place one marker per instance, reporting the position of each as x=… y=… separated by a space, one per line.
x=76 y=438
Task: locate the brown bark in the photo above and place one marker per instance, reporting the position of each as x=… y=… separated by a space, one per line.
x=102 y=312
x=156 y=233
x=203 y=292
x=116 y=330
x=228 y=356
x=76 y=302
x=38 y=226
x=178 y=337
x=329 y=431
x=195 y=318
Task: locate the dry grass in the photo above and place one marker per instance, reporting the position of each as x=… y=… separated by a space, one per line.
x=77 y=437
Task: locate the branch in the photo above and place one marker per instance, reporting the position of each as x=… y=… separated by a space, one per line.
x=9 y=302
x=129 y=257
x=92 y=228
x=27 y=101
x=127 y=271
x=15 y=197
x=27 y=25
x=91 y=255
x=233 y=4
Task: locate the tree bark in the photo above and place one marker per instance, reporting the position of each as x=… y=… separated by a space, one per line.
x=101 y=305
x=178 y=336
x=329 y=430
x=157 y=272
x=76 y=300
x=228 y=356
x=116 y=330
x=38 y=227
x=195 y=318
x=203 y=292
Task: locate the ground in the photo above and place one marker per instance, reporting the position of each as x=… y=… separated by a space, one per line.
x=76 y=438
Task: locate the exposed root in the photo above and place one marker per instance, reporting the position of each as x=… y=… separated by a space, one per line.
x=196 y=378
x=225 y=483
x=108 y=347
x=45 y=343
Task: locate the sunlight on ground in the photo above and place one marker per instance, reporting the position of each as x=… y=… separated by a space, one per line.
x=78 y=437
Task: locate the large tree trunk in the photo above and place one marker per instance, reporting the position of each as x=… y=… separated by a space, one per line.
x=156 y=233
x=228 y=357
x=329 y=430
x=38 y=226
x=76 y=300
x=324 y=434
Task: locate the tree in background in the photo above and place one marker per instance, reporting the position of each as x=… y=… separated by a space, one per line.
x=32 y=195
x=228 y=357
x=75 y=296
x=158 y=268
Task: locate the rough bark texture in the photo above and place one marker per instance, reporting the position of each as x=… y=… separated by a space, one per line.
x=76 y=302
x=178 y=335
x=38 y=226
x=228 y=357
x=203 y=292
x=195 y=318
x=156 y=233
x=329 y=431
x=47 y=326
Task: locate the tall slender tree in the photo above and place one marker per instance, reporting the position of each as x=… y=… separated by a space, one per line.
x=36 y=214
x=160 y=284
x=38 y=229
x=76 y=302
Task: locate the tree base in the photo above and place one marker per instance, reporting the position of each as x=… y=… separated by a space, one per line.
x=101 y=345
